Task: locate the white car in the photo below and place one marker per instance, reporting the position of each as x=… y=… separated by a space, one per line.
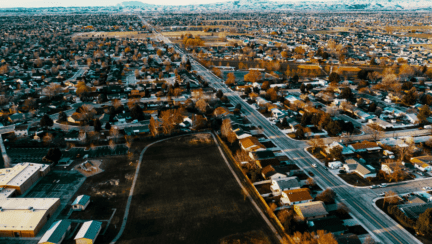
x=383 y=185
x=314 y=165
x=382 y=194
x=427 y=188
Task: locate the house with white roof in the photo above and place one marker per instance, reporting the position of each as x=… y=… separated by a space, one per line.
x=89 y=232
x=56 y=232
x=81 y=202
x=283 y=184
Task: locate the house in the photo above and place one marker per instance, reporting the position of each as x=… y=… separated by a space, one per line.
x=311 y=210
x=345 y=150
x=390 y=167
x=353 y=166
x=365 y=146
x=422 y=163
x=81 y=202
x=278 y=114
x=251 y=144
x=21 y=130
x=136 y=130
x=412 y=118
x=413 y=210
x=269 y=172
x=331 y=224
x=284 y=184
x=363 y=115
x=17 y=117
x=262 y=154
x=56 y=232
x=240 y=133
x=88 y=232
x=295 y=196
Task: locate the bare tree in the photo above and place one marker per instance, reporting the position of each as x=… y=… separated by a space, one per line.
x=315 y=143
x=374 y=131
x=201 y=105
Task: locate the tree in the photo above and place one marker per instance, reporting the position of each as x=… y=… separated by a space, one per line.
x=154 y=127
x=53 y=155
x=107 y=126
x=424 y=113
x=424 y=223
x=310 y=182
x=201 y=105
x=226 y=128
x=299 y=134
x=62 y=117
x=374 y=131
x=346 y=93
x=219 y=94
x=265 y=85
x=137 y=113
x=315 y=143
x=253 y=76
x=334 y=78
x=97 y=125
x=231 y=138
x=82 y=89
x=390 y=197
x=327 y=196
x=46 y=121
x=397 y=174
x=336 y=153
x=230 y=79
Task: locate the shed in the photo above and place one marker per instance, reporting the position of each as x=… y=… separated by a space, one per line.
x=88 y=232
x=56 y=232
x=81 y=202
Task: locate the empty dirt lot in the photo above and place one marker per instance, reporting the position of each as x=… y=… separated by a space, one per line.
x=185 y=193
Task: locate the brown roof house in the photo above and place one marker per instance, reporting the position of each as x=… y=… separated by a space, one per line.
x=251 y=144
x=295 y=196
x=365 y=146
x=311 y=210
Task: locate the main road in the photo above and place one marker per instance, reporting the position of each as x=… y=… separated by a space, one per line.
x=358 y=200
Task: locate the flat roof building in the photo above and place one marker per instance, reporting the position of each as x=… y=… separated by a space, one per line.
x=24 y=217
x=22 y=176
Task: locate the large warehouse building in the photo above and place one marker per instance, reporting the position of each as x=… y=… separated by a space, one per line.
x=24 y=217
x=22 y=176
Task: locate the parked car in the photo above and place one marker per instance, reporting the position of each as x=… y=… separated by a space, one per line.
x=374 y=186
x=383 y=185
x=427 y=188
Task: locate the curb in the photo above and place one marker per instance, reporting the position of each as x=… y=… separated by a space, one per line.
x=389 y=218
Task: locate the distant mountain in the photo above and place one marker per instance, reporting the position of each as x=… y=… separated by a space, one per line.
x=323 y=5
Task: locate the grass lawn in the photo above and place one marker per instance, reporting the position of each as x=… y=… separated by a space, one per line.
x=186 y=194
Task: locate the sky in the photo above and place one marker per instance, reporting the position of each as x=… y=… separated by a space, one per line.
x=68 y=3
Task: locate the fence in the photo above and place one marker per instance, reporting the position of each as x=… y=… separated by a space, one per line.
x=253 y=191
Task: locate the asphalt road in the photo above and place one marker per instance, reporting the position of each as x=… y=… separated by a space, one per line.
x=358 y=200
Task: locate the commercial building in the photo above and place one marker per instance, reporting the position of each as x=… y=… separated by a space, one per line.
x=24 y=217
x=22 y=176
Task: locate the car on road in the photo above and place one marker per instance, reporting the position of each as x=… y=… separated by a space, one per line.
x=382 y=194
x=314 y=165
x=383 y=185
x=374 y=186
x=427 y=188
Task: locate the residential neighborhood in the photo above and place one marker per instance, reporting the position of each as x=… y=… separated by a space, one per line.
x=232 y=122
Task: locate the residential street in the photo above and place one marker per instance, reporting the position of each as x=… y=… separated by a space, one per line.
x=384 y=228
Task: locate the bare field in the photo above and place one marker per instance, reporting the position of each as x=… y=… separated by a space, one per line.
x=179 y=33
x=185 y=193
